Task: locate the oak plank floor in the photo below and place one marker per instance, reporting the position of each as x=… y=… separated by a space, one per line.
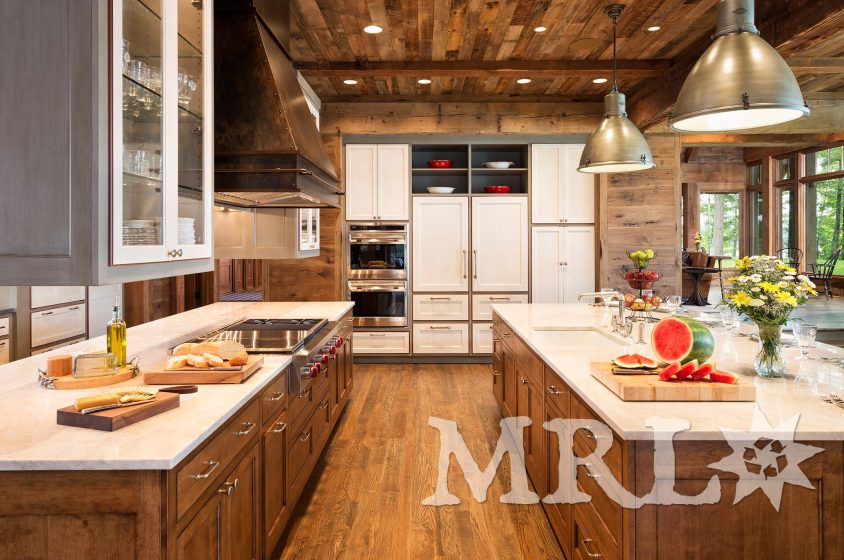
x=365 y=498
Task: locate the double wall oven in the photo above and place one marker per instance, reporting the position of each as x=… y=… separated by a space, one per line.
x=378 y=259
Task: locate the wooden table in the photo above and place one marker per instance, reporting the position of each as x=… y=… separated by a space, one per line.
x=697 y=272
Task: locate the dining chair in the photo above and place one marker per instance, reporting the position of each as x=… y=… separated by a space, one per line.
x=792 y=256
x=822 y=273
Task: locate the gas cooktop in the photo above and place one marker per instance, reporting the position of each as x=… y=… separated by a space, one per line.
x=259 y=336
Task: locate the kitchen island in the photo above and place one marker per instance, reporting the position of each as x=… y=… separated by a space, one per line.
x=541 y=369
x=216 y=477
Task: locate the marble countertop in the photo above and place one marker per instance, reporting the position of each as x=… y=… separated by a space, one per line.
x=31 y=439
x=779 y=400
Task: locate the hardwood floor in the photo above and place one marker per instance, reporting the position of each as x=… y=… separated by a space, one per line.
x=365 y=499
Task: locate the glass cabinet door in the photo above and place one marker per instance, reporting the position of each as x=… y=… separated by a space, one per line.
x=161 y=198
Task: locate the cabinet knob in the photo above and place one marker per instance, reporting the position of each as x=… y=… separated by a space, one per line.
x=552 y=390
x=179 y=253
x=525 y=381
x=564 y=263
x=173 y=253
x=248 y=428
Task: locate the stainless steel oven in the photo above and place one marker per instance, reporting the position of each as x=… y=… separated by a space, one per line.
x=379 y=303
x=378 y=251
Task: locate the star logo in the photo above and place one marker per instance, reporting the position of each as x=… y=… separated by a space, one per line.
x=766 y=458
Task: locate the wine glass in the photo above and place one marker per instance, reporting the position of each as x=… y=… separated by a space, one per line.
x=805 y=334
x=729 y=317
x=673 y=304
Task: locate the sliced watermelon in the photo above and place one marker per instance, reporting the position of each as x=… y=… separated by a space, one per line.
x=646 y=362
x=629 y=361
x=687 y=370
x=670 y=371
x=703 y=371
x=683 y=339
x=724 y=377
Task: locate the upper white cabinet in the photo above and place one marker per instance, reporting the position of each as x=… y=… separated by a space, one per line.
x=377 y=182
x=266 y=233
x=559 y=193
x=500 y=232
x=440 y=244
x=563 y=263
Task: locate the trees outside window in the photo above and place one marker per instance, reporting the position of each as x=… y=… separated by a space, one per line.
x=824 y=212
x=720 y=224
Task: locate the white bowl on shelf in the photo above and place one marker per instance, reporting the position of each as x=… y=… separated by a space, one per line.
x=440 y=190
x=499 y=164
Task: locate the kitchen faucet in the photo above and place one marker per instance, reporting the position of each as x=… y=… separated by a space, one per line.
x=619 y=322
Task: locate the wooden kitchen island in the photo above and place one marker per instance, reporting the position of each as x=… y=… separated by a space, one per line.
x=217 y=477
x=538 y=372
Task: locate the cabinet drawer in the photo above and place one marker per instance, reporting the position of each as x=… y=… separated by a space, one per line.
x=274 y=397
x=585 y=543
x=500 y=327
x=45 y=296
x=322 y=419
x=557 y=392
x=298 y=403
x=396 y=342
x=586 y=440
x=481 y=310
x=4 y=351
x=440 y=338
x=5 y=326
x=300 y=448
x=481 y=338
x=601 y=513
x=57 y=324
x=193 y=478
x=453 y=307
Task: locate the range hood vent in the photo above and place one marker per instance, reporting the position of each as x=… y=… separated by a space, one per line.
x=268 y=151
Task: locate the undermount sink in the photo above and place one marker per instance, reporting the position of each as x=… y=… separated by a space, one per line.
x=574 y=338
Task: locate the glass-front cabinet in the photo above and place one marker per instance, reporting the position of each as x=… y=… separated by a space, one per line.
x=162 y=134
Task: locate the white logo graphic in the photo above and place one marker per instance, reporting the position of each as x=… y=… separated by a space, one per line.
x=766 y=458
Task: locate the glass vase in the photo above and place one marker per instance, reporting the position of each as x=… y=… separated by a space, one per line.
x=769 y=362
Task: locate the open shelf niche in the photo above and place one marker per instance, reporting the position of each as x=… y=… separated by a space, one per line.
x=456 y=176
x=468 y=175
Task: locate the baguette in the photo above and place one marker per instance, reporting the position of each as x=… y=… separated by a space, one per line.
x=214 y=361
x=239 y=360
x=186 y=349
x=177 y=362
x=225 y=349
x=197 y=361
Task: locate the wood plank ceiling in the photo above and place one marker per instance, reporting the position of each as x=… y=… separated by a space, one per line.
x=476 y=49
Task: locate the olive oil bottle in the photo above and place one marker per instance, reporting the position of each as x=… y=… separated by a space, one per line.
x=116 y=337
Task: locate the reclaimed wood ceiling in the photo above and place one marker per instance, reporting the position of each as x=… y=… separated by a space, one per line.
x=475 y=50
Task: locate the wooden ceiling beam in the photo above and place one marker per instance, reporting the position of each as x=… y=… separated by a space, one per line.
x=460 y=98
x=699 y=140
x=485 y=68
x=817 y=65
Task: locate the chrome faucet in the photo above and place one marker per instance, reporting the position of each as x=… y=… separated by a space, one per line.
x=620 y=321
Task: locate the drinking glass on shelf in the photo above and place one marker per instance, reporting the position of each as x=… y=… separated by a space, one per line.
x=805 y=334
x=729 y=317
x=673 y=304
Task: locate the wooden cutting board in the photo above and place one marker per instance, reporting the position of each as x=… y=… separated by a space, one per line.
x=116 y=418
x=195 y=376
x=652 y=388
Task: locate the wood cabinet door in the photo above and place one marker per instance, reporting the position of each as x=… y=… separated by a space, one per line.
x=531 y=404
x=393 y=182
x=203 y=537
x=578 y=258
x=577 y=189
x=559 y=515
x=348 y=360
x=546 y=264
x=440 y=244
x=241 y=503
x=274 y=458
x=498 y=371
x=510 y=394
x=500 y=244
x=335 y=384
x=361 y=181
x=546 y=183
x=223 y=272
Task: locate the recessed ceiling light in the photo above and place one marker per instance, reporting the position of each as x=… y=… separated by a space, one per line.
x=373 y=29
x=599 y=81
x=350 y=82
x=523 y=81
x=423 y=81
x=540 y=29
x=654 y=28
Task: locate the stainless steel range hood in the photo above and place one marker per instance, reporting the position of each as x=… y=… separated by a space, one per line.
x=268 y=151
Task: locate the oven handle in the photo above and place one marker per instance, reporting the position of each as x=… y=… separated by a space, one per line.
x=372 y=239
x=377 y=288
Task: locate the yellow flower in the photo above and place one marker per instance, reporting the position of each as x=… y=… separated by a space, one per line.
x=743 y=262
x=768 y=287
x=781 y=265
x=790 y=270
x=792 y=301
x=783 y=297
x=741 y=299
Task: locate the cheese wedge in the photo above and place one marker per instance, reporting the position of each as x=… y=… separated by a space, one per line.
x=102 y=399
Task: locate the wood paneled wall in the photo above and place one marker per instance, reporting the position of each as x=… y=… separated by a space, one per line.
x=641 y=210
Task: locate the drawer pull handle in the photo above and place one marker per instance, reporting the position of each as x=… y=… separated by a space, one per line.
x=496 y=373
x=305 y=437
x=475 y=268
x=212 y=465
x=279 y=427
x=446 y=327
x=506 y=335
x=506 y=298
x=590 y=434
x=525 y=380
x=277 y=396
x=228 y=487
x=372 y=335
x=304 y=393
x=249 y=426
x=589 y=473
x=172 y=253
x=552 y=390
x=45 y=313
x=445 y=298
x=496 y=339
x=585 y=543
x=74 y=308
x=323 y=406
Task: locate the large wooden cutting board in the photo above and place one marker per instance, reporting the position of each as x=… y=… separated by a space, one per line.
x=195 y=376
x=652 y=388
x=116 y=418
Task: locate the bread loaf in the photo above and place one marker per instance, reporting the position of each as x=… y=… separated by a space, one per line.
x=186 y=348
x=177 y=362
x=58 y=366
x=214 y=361
x=225 y=349
x=239 y=360
x=197 y=361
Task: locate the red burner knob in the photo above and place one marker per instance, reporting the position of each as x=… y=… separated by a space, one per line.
x=315 y=369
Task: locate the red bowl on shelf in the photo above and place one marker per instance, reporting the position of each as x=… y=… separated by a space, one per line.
x=440 y=163
x=498 y=189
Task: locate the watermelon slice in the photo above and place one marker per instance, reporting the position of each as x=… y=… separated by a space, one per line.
x=670 y=371
x=724 y=377
x=687 y=370
x=683 y=339
x=629 y=361
x=703 y=371
x=646 y=362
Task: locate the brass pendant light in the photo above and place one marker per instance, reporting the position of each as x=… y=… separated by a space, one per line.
x=740 y=82
x=616 y=146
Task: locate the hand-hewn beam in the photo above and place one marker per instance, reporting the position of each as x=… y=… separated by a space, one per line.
x=831 y=65
x=486 y=68
x=461 y=98
x=697 y=140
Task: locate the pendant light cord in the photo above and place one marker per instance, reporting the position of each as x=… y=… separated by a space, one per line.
x=614 y=78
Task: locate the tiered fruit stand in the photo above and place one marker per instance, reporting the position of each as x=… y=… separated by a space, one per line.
x=641 y=280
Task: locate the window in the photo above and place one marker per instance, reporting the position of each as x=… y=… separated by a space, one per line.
x=787 y=221
x=754 y=174
x=824 y=161
x=757 y=216
x=824 y=211
x=719 y=225
x=785 y=169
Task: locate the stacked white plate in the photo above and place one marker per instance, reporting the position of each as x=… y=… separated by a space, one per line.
x=187 y=231
x=141 y=232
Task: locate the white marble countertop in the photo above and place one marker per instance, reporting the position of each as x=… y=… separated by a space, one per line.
x=778 y=399
x=31 y=439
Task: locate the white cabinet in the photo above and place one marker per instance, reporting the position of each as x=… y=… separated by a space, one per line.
x=46 y=296
x=454 y=307
x=500 y=232
x=57 y=324
x=440 y=244
x=481 y=338
x=440 y=338
x=266 y=233
x=563 y=263
x=386 y=342
x=377 y=182
x=482 y=304
x=559 y=193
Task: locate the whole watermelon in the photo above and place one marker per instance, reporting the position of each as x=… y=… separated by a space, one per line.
x=682 y=339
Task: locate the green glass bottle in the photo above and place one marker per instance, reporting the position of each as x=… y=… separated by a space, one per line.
x=116 y=337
